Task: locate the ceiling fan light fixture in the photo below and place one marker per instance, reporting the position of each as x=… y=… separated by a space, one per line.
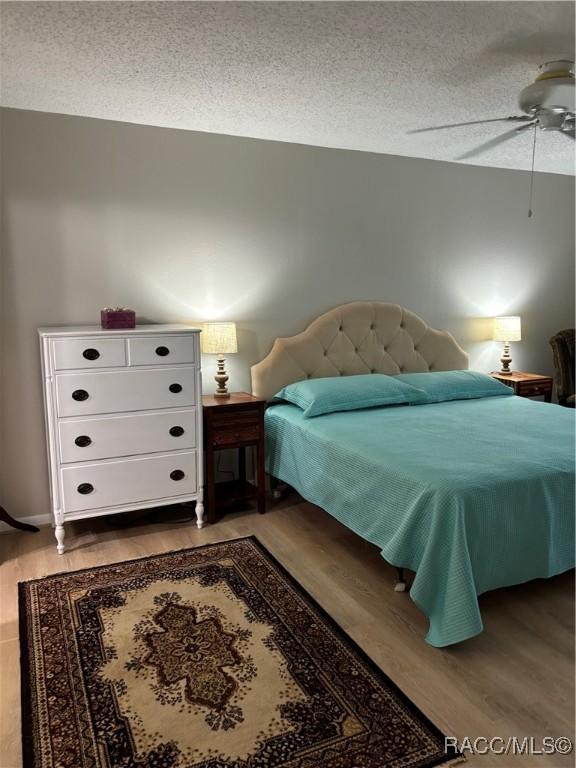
x=559 y=68
x=554 y=86
x=552 y=119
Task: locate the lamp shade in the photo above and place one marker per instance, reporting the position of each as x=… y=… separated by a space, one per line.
x=218 y=338
x=507 y=328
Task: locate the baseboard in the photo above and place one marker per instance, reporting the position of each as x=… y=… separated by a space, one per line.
x=39 y=520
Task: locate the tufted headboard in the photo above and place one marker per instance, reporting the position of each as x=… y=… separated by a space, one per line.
x=361 y=337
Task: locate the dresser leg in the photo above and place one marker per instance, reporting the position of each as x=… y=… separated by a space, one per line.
x=200 y=510
x=59 y=533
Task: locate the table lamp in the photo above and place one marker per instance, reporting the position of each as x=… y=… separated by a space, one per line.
x=507 y=329
x=219 y=339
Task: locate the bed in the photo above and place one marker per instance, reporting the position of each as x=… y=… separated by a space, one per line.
x=471 y=495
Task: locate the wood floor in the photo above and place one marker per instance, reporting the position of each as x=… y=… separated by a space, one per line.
x=516 y=679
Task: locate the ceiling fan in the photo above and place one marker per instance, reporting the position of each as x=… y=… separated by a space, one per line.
x=548 y=103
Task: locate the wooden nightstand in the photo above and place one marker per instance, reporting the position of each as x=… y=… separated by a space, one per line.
x=236 y=421
x=527 y=384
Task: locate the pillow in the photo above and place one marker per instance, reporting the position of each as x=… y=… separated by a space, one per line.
x=348 y=393
x=439 y=386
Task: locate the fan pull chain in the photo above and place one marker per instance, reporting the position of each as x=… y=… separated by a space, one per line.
x=532 y=173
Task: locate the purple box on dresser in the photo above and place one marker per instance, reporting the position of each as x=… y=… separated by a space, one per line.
x=115 y=319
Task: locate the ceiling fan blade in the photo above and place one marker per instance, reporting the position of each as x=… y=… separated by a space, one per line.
x=514 y=118
x=503 y=137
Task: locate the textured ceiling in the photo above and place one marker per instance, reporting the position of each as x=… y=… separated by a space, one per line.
x=354 y=75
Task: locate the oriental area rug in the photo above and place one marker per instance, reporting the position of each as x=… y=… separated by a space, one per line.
x=212 y=657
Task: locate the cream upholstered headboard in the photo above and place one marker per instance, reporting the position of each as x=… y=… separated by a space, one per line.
x=361 y=337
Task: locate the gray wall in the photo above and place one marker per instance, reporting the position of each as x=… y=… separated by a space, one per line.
x=188 y=226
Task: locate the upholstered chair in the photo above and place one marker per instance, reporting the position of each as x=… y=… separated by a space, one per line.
x=562 y=345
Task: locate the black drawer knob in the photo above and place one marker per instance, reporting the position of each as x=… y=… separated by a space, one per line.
x=176 y=474
x=175 y=388
x=162 y=351
x=79 y=395
x=83 y=441
x=91 y=354
x=85 y=488
x=176 y=431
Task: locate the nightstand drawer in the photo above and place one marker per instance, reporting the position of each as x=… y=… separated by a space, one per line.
x=527 y=384
x=237 y=434
x=529 y=390
x=246 y=417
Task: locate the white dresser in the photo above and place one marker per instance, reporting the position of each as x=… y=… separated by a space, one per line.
x=123 y=420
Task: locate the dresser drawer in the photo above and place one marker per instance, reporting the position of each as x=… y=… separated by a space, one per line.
x=112 y=436
x=161 y=350
x=93 y=486
x=89 y=353
x=79 y=394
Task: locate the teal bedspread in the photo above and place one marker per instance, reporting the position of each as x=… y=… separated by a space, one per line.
x=471 y=495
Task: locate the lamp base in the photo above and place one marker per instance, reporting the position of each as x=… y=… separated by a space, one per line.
x=506 y=360
x=221 y=378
